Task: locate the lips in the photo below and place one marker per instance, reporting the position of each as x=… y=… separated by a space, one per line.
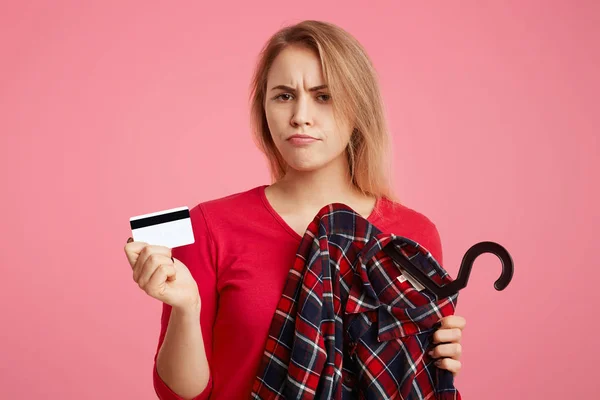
x=301 y=140
x=301 y=136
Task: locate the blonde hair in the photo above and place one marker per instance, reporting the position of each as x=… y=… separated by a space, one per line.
x=353 y=85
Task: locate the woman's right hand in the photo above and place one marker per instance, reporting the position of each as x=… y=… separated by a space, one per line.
x=161 y=276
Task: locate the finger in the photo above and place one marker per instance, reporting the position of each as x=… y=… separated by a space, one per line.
x=453 y=321
x=157 y=283
x=132 y=251
x=146 y=252
x=451 y=350
x=174 y=276
x=450 y=365
x=156 y=260
x=447 y=335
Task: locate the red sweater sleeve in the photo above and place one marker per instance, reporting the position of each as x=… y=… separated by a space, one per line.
x=200 y=258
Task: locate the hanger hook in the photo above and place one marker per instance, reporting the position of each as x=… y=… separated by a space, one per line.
x=475 y=251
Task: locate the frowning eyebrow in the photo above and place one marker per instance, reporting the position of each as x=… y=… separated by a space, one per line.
x=290 y=89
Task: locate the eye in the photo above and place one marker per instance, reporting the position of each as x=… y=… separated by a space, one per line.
x=324 y=97
x=281 y=97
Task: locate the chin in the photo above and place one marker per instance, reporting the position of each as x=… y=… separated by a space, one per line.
x=309 y=162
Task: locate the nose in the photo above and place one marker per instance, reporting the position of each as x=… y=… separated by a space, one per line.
x=302 y=112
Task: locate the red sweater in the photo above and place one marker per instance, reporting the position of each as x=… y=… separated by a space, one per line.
x=242 y=254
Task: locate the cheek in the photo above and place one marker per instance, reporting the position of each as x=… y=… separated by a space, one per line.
x=339 y=132
x=274 y=122
x=339 y=140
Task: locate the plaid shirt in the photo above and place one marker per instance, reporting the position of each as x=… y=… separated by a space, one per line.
x=348 y=325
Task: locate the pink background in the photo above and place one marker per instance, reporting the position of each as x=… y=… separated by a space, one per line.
x=114 y=109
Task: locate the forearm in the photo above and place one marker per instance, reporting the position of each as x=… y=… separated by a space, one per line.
x=181 y=361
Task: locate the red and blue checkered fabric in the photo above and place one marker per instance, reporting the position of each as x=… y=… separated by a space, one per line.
x=348 y=326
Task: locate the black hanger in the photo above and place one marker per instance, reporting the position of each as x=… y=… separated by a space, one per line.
x=465 y=268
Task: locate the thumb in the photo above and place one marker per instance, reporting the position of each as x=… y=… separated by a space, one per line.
x=133 y=250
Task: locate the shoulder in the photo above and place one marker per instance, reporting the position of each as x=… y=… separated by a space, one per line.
x=231 y=203
x=229 y=212
x=396 y=214
x=402 y=220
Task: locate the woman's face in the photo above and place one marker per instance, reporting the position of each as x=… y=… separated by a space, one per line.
x=299 y=112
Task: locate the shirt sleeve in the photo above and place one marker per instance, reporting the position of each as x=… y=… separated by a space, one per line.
x=200 y=258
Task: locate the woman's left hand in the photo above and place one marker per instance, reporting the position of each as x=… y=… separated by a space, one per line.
x=449 y=349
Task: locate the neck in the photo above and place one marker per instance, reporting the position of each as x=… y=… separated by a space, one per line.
x=314 y=189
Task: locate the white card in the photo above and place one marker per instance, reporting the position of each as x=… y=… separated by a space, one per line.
x=170 y=228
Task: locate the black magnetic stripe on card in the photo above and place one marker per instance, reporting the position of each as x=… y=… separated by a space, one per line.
x=159 y=219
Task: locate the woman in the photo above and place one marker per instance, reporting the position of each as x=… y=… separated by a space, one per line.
x=318 y=117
